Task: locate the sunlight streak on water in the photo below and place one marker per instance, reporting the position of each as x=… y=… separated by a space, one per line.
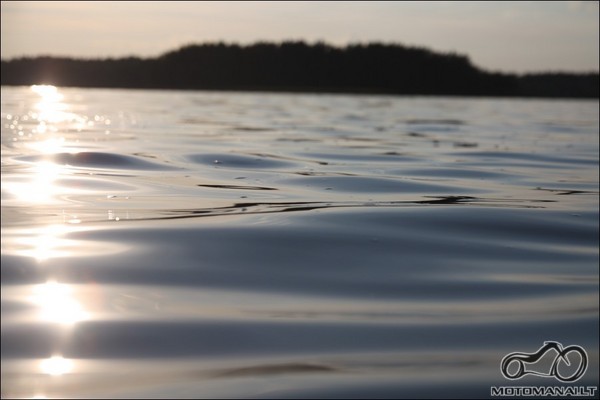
x=57 y=304
x=53 y=241
x=47 y=243
x=40 y=187
x=51 y=108
x=56 y=366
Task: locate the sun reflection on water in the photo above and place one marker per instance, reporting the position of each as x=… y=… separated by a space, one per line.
x=58 y=304
x=56 y=366
x=40 y=184
x=47 y=242
x=48 y=92
x=40 y=188
x=52 y=115
x=50 y=108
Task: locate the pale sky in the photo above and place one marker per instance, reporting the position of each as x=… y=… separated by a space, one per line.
x=497 y=36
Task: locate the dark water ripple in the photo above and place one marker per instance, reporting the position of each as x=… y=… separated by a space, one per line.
x=97 y=160
x=225 y=245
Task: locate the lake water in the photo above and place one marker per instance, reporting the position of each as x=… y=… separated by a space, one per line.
x=212 y=244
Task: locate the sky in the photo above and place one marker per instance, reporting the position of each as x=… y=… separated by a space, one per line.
x=500 y=36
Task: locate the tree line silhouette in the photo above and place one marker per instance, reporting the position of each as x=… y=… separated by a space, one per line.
x=296 y=66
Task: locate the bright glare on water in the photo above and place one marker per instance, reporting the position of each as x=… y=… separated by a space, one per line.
x=171 y=244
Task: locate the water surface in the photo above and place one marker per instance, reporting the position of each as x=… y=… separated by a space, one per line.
x=212 y=244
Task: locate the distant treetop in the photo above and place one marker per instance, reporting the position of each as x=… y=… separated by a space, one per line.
x=296 y=66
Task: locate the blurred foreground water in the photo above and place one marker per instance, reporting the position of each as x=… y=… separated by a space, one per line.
x=211 y=244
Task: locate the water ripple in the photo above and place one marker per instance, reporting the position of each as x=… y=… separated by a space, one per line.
x=279 y=245
x=87 y=159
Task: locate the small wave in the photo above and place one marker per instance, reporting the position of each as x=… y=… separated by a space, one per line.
x=237 y=161
x=552 y=161
x=274 y=369
x=248 y=208
x=360 y=184
x=238 y=187
x=435 y=122
x=87 y=159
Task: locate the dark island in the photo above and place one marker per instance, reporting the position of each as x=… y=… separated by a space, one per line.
x=374 y=68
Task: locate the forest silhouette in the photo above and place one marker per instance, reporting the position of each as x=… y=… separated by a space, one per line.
x=295 y=66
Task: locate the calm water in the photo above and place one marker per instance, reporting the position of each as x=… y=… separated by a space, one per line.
x=209 y=244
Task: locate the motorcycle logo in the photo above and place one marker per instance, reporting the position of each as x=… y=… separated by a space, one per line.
x=564 y=355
